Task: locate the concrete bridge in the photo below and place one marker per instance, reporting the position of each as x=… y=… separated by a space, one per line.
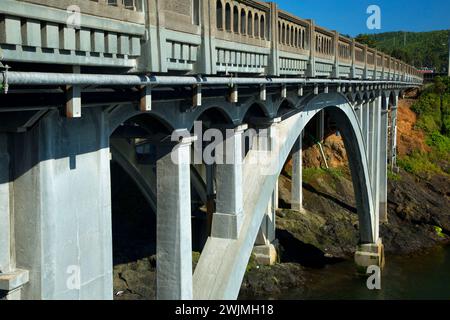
x=115 y=81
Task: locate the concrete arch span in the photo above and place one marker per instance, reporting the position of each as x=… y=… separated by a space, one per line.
x=222 y=264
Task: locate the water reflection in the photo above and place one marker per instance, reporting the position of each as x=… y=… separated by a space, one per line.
x=424 y=277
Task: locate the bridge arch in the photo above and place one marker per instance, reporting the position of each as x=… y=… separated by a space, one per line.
x=213 y=113
x=218 y=278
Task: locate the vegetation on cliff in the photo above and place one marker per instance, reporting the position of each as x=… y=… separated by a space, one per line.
x=422 y=49
x=433 y=118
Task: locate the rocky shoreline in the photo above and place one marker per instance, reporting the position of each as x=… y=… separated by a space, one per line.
x=327 y=232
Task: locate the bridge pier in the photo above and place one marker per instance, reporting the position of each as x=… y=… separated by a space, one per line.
x=173 y=231
x=227 y=220
x=11 y=279
x=376 y=158
x=265 y=249
x=393 y=147
x=383 y=159
x=297 y=179
x=62 y=207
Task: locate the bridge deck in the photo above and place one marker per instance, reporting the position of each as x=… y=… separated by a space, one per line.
x=184 y=37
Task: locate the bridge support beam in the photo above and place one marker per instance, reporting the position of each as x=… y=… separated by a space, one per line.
x=376 y=158
x=297 y=179
x=371 y=142
x=174 y=243
x=384 y=160
x=227 y=220
x=393 y=147
x=265 y=246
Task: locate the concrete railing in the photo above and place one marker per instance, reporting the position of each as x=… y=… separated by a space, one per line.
x=189 y=36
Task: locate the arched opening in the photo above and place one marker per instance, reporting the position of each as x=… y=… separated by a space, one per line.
x=285 y=109
x=243 y=22
x=279 y=33
x=219 y=15
x=133 y=199
x=236 y=19
x=303 y=39
x=293 y=36
x=253 y=115
x=228 y=17
x=283 y=34
x=296 y=38
x=256 y=25
x=263 y=27
x=250 y=24
x=288 y=35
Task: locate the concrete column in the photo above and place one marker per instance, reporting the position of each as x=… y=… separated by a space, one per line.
x=383 y=160
x=375 y=160
x=265 y=245
x=210 y=196
x=174 y=243
x=275 y=199
x=394 y=134
x=62 y=207
x=367 y=132
x=372 y=141
x=5 y=218
x=297 y=179
x=365 y=122
x=322 y=126
x=227 y=220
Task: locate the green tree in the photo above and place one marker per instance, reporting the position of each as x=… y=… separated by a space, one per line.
x=366 y=39
x=440 y=88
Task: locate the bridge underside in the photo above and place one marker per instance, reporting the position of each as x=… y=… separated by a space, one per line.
x=55 y=184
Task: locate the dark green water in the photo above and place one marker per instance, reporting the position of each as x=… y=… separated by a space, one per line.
x=425 y=277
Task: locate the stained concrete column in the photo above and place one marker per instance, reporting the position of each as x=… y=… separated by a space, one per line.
x=227 y=220
x=383 y=160
x=297 y=179
x=174 y=242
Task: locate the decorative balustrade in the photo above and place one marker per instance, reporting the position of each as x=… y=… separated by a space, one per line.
x=191 y=36
x=345 y=50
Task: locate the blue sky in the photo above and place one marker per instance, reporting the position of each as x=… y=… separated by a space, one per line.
x=349 y=16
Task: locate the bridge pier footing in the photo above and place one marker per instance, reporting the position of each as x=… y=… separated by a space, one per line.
x=371 y=254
